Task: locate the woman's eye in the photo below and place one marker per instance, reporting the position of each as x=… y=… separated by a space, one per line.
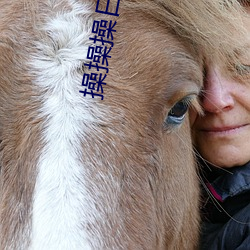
x=242 y=69
x=177 y=113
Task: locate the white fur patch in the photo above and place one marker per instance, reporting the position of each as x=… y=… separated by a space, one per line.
x=62 y=205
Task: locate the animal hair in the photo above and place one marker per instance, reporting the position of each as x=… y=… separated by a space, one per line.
x=208 y=25
x=82 y=173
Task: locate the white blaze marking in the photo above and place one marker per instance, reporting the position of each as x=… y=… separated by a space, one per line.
x=61 y=202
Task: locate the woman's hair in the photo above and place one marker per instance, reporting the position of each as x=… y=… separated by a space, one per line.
x=209 y=25
x=244 y=2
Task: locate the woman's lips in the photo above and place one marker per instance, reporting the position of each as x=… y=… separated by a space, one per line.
x=225 y=130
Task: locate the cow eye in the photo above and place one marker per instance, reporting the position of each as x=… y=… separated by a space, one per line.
x=178 y=112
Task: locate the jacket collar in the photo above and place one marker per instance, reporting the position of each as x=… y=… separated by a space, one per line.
x=229 y=183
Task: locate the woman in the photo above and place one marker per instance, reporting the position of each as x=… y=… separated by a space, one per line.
x=222 y=139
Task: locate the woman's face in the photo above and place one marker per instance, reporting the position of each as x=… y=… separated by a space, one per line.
x=222 y=136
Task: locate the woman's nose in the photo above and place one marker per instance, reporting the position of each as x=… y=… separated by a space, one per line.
x=217 y=94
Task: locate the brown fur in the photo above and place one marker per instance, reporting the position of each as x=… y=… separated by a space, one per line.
x=143 y=172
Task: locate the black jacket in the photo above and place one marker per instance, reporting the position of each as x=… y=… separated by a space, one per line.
x=226 y=211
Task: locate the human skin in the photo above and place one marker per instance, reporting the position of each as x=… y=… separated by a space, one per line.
x=222 y=135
